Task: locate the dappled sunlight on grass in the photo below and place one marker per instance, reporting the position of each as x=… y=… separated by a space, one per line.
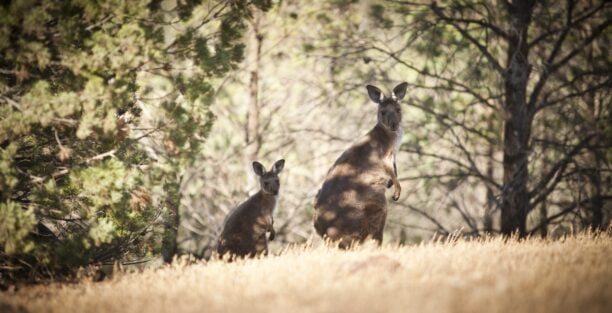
x=568 y=275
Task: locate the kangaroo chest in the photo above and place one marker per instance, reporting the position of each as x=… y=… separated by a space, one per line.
x=389 y=147
x=264 y=219
x=397 y=143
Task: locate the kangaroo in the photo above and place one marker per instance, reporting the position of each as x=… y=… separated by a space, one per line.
x=244 y=230
x=351 y=206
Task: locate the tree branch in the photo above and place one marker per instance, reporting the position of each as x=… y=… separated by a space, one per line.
x=451 y=82
x=575 y=22
x=550 y=69
x=565 y=211
x=471 y=172
x=606 y=84
x=496 y=29
x=428 y=217
x=468 y=219
x=438 y=11
x=101 y=156
x=554 y=174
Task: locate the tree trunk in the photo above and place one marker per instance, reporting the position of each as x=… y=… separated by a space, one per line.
x=490 y=201
x=544 y=219
x=171 y=221
x=594 y=166
x=517 y=128
x=595 y=158
x=252 y=141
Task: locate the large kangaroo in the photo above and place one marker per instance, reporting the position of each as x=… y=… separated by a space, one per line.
x=244 y=230
x=351 y=205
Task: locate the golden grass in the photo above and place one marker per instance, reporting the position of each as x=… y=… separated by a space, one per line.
x=570 y=275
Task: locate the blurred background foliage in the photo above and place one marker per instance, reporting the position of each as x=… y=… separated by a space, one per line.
x=128 y=128
x=105 y=104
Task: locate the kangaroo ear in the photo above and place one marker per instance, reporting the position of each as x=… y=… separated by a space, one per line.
x=400 y=91
x=278 y=166
x=375 y=94
x=258 y=168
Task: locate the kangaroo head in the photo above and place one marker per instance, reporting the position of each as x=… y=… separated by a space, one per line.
x=269 y=181
x=389 y=110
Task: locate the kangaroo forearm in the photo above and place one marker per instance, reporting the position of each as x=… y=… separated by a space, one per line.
x=271 y=228
x=272 y=234
x=397 y=189
x=394 y=176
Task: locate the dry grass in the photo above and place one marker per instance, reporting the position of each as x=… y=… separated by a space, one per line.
x=570 y=275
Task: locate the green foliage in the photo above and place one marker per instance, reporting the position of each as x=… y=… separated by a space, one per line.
x=102 y=104
x=8 y=173
x=15 y=225
x=378 y=14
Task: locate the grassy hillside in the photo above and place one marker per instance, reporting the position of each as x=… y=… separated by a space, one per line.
x=570 y=275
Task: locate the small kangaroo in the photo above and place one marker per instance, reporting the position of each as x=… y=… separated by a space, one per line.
x=245 y=228
x=351 y=205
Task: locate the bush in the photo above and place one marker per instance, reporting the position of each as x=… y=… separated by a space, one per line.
x=103 y=105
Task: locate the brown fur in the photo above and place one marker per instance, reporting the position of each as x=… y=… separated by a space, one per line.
x=351 y=206
x=245 y=228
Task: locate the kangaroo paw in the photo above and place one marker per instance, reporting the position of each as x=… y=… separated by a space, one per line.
x=396 y=195
x=390 y=183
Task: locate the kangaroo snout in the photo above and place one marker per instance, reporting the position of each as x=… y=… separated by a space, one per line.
x=393 y=123
x=271 y=187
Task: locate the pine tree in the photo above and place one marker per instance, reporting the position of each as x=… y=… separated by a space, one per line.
x=103 y=105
